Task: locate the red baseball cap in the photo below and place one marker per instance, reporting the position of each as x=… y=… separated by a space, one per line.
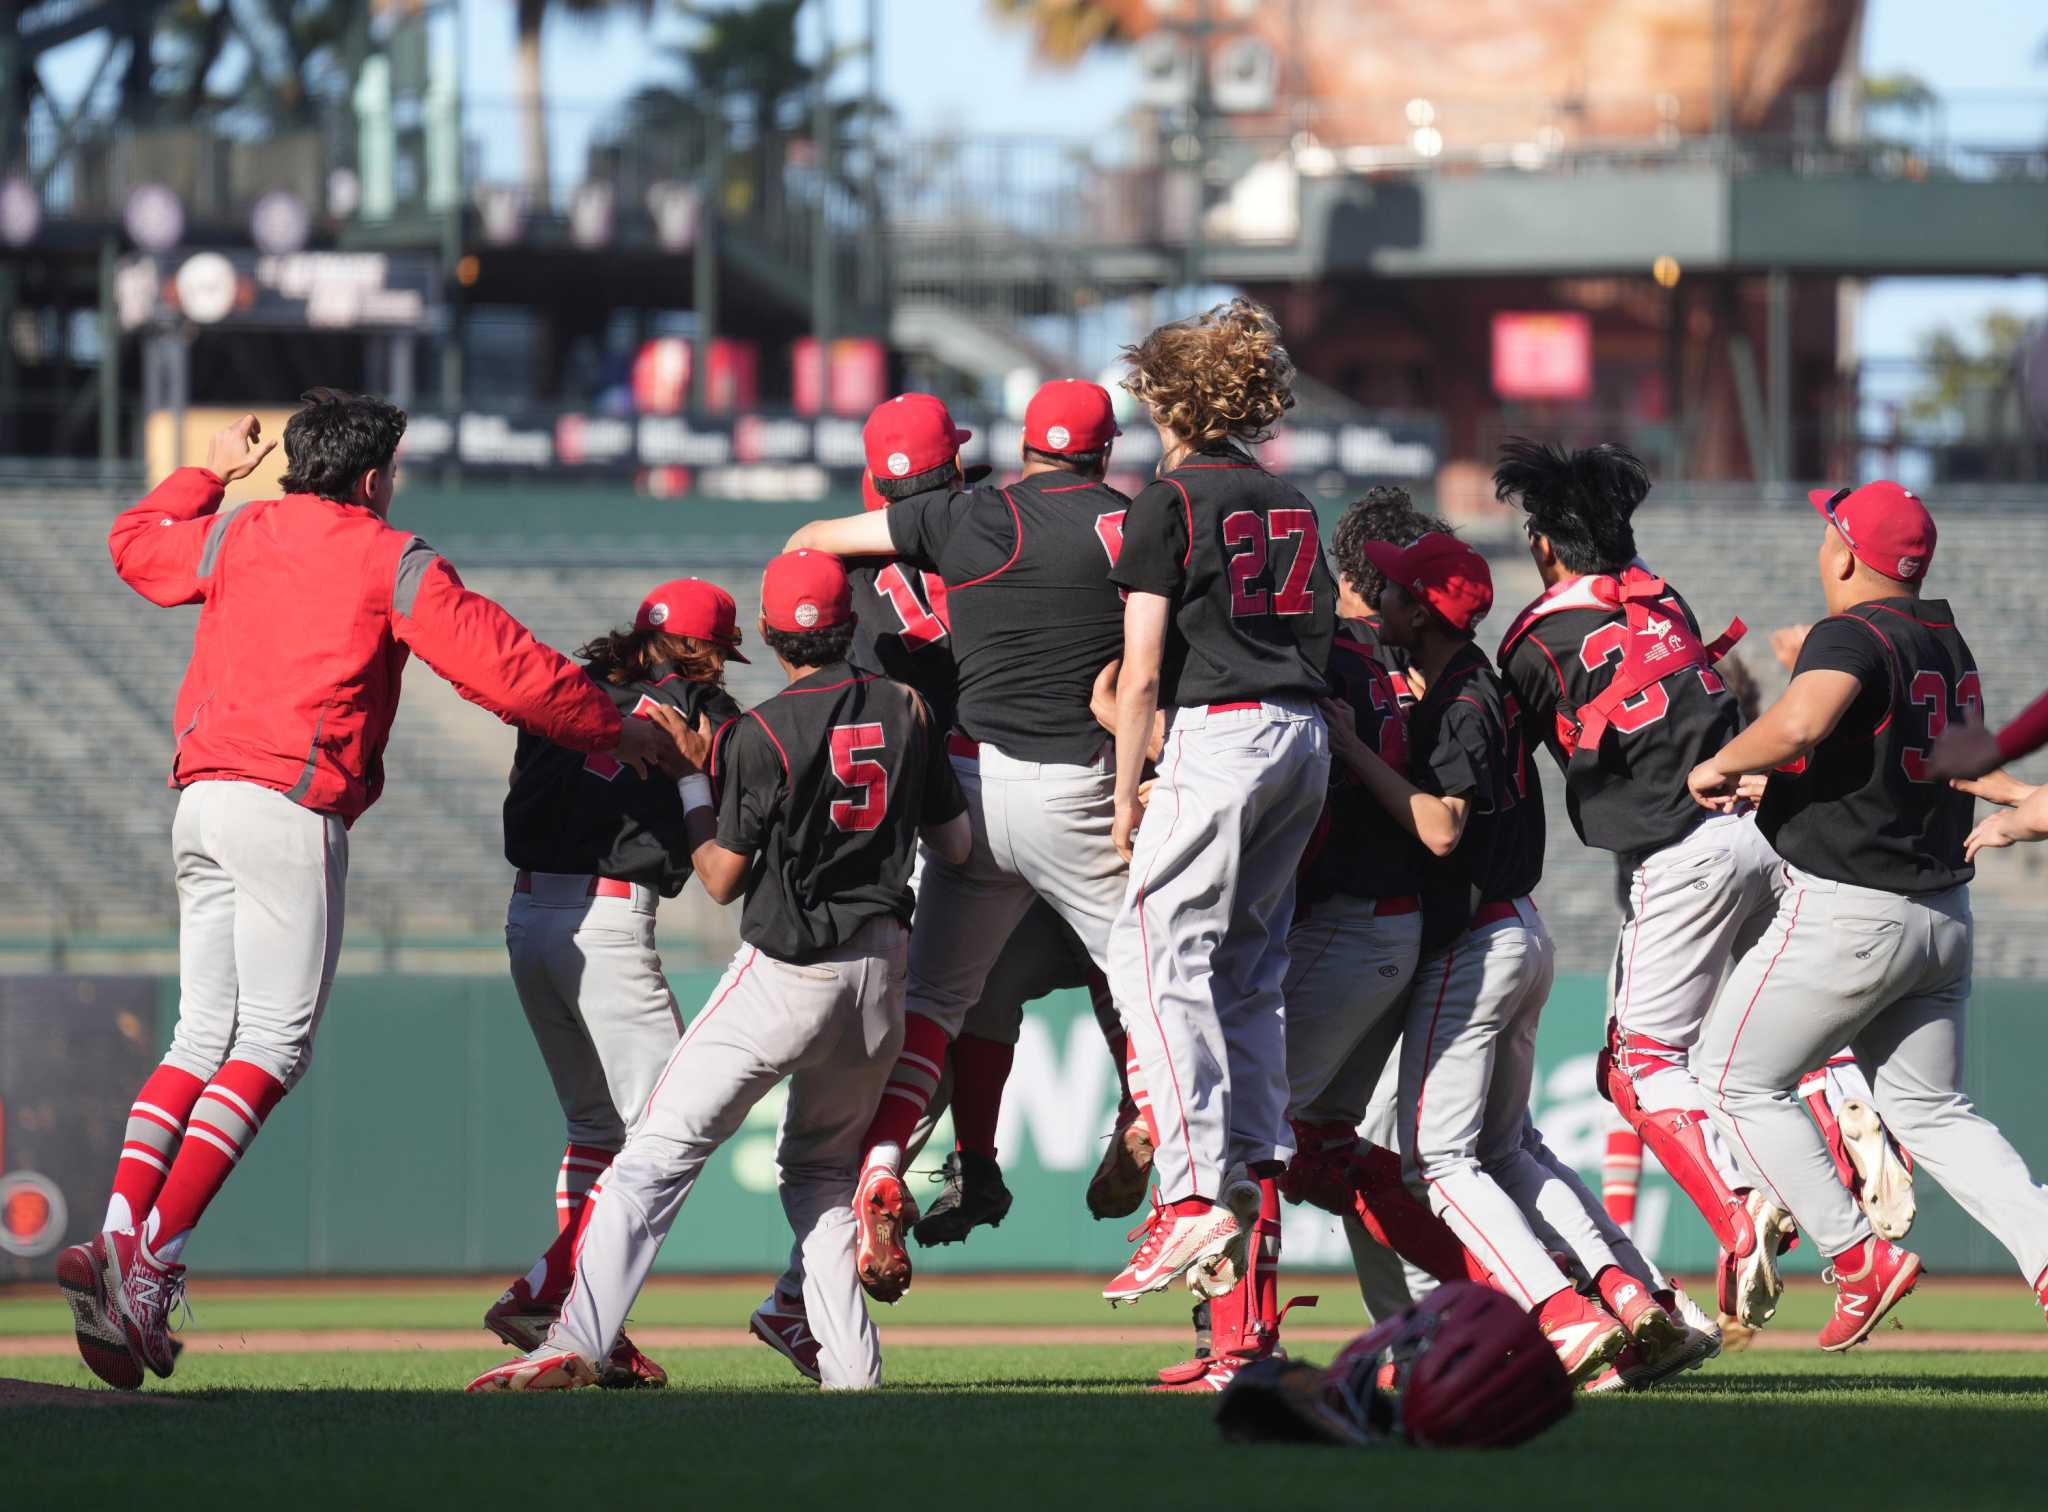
x=693 y=607
x=805 y=590
x=905 y=436
x=1886 y=525
x=1070 y=415
x=1441 y=571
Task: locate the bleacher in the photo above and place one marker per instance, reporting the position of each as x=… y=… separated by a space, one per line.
x=85 y=815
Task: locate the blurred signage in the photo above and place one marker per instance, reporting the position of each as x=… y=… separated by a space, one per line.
x=860 y=375
x=343 y=291
x=1543 y=355
x=777 y=454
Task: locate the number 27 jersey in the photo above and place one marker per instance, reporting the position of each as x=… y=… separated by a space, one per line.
x=1237 y=553
x=825 y=786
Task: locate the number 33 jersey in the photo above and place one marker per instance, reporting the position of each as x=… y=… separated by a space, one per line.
x=1865 y=809
x=1238 y=555
x=825 y=786
x=1626 y=791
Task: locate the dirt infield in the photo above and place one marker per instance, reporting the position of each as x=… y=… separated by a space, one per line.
x=913 y=1336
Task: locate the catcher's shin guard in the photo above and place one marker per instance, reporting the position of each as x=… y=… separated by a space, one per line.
x=1320 y=1172
x=1244 y=1323
x=1396 y=1218
x=1813 y=1091
x=1677 y=1137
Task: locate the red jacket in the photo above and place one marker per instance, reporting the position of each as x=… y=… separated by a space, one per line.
x=308 y=611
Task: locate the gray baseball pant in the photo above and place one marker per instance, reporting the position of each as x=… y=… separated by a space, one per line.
x=833 y=1027
x=1889 y=976
x=262 y=893
x=1198 y=957
x=590 y=979
x=1468 y=1059
x=1348 y=972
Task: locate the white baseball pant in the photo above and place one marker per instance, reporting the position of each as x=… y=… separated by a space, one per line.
x=1348 y=972
x=1889 y=976
x=262 y=894
x=1198 y=956
x=833 y=1027
x=590 y=979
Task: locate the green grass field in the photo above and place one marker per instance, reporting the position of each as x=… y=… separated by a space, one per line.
x=996 y=1425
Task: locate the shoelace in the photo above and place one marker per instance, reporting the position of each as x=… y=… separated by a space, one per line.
x=1152 y=1230
x=160 y=1292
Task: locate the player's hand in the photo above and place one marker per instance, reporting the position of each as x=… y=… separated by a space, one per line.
x=233 y=452
x=1995 y=833
x=1145 y=793
x=1156 y=746
x=1128 y=812
x=1968 y=749
x=1999 y=787
x=641 y=744
x=1346 y=744
x=1713 y=789
x=1785 y=643
x=685 y=750
x=1102 y=697
x=1750 y=787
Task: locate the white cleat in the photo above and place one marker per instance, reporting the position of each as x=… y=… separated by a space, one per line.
x=545 y=1370
x=1884 y=1185
x=1171 y=1247
x=1758 y=1285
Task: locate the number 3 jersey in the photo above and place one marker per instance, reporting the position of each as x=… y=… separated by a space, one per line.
x=1865 y=810
x=1625 y=784
x=1237 y=553
x=825 y=786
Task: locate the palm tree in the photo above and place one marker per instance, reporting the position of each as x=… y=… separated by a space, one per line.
x=532 y=88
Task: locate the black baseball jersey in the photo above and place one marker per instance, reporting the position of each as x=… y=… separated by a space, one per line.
x=1465 y=739
x=1034 y=614
x=903 y=631
x=1358 y=848
x=1626 y=793
x=1864 y=809
x=569 y=811
x=1238 y=554
x=826 y=785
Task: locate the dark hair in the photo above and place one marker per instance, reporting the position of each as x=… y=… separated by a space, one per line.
x=335 y=439
x=1388 y=514
x=1582 y=501
x=893 y=489
x=627 y=656
x=1080 y=462
x=810 y=648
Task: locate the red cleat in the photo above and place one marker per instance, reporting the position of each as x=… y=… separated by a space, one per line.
x=627 y=1369
x=884 y=1213
x=521 y=1319
x=784 y=1326
x=1586 y=1336
x=102 y=1342
x=1870 y=1279
x=144 y=1293
x=1172 y=1244
x=1650 y=1326
x=548 y=1370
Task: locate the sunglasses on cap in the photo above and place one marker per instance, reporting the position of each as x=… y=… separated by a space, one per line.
x=1836 y=520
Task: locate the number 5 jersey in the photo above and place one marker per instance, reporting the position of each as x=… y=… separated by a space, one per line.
x=825 y=786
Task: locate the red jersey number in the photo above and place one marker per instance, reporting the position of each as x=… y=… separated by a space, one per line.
x=851 y=745
x=921 y=626
x=1109 y=529
x=1249 y=536
x=1931 y=688
x=1391 y=738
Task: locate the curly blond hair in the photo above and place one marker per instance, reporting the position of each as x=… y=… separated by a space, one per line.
x=1222 y=374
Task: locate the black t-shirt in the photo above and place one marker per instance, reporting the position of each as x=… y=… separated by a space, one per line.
x=1629 y=794
x=1034 y=614
x=1237 y=553
x=1465 y=740
x=903 y=631
x=826 y=785
x=1864 y=809
x=569 y=811
x=1358 y=848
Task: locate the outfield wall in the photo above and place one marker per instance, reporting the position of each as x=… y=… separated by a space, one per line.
x=425 y=1137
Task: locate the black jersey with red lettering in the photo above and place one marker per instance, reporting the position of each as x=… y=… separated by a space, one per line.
x=825 y=785
x=1034 y=615
x=902 y=631
x=1237 y=552
x=1625 y=792
x=570 y=811
x=1865 y=809
x=1358 y=848
x=1465 y=739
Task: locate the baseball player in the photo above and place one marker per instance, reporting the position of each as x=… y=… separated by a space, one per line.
x=309 y=606
x=1227 y=626
x=824 y=792
x=1468 y=1045
x=1034 y=618
x=1871 y=941
x=596 y=848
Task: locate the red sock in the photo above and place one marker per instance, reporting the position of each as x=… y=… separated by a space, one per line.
x=575 y=1185
x=980 y=1068
x=223 y=1123
x=155 y=1124
x=1620 y=1172
x=1134 y=1082
x=912 y=1081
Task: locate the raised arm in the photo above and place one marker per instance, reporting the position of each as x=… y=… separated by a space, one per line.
x=861 y=535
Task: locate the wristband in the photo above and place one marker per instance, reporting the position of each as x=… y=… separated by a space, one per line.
x=695 y=790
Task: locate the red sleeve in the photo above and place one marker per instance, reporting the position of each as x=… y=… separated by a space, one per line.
x=2027 y=733
x=494 y=661
x=164 y=547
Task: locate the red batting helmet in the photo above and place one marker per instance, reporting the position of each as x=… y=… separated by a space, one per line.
x=1464 y=1368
